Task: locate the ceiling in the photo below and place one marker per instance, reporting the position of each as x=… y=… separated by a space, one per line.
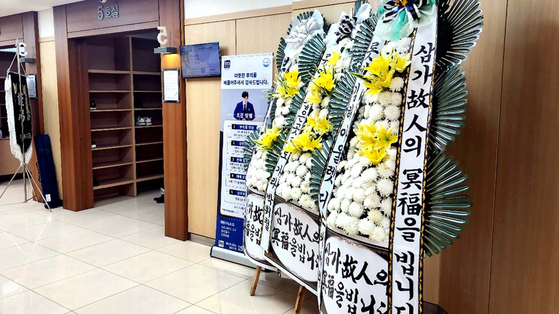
x=10 y=7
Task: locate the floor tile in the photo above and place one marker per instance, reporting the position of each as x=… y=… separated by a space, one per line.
x=23 y=254
x=130 y=208
x=148 y=266
x=310 y=306
x=272 y=280
x=156 y=217
x=237 y=300
x=91 y=218
x=123 y=227
x=46 y=271
x=153 y=238
x=30 y=303
x=194 y=310
x=9 y=288
x=74 y=241
x=8 y=240
x=44 y=231
x=84 y=289
x=188 y=250
x=194 y=283
x=229 y=267
x=138 y=300
x=108 y=252
x=148 y=196
x=10 y=220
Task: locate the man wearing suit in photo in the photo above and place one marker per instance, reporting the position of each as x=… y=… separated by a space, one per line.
x=244 y=109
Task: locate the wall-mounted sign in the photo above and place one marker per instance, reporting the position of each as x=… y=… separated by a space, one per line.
x=171 y=85
x=108 y=12
x=32 y=85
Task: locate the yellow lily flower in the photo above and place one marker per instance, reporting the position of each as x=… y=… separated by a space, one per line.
x=325 y=80
x=375 y=156
x=320 y=125
x=398 y=62
x=366 y=135
x=269 y=137
x=304 y=142
x=315 y=97
x=378 y=66
x=384 y=138
x=336 y=55
x=292 y=79
x=373 y=87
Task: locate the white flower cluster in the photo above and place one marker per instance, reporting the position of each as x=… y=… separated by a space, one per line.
x=257 y=176
x=362 y=200
x=295 y=181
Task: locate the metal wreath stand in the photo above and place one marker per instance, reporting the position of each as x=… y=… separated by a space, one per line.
x=27 y=175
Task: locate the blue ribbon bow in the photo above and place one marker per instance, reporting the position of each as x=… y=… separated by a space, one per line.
x=394 y=7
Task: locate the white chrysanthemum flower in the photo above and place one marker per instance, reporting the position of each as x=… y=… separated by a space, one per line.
x=304 y=158
x=279 y=122
x=375 y=216
x=391 y=164
x=397 y=84
x=279 y=190
x=376 y=112
x=308 y=176
x=352 y=226
x=283 y=179
x=378 y=234
x=340 y=192
x=305 y=199
x=353 y=142
x=286 y=193
x=355 y=210
x=309 y=163
x=383 y=123
x=331 y=220
x=385 y=98
x=369 y=175
x=356 y=170
x=342 y=220
x=301 y=171
x=344 y=205
x=384 y=171
x=357 y=182
x=397 y=99
x=392 y=112
x=372 y=201
x=366 y=227
x=371 y=190
x=279 y=102
x=289 y=179
x=392 y=154
x=338 y=180
x=385 y=187
x=285 y=111
x=385 y=223
x=334 y=204
x=348 y=193
x=341 y=165
x=366 y=111
x=325 y=102
x=359 y=195
x=306 y=187
x=296 y=182
x=386 y=206
x=402 y=46
x=296 y=193
x=395 y=127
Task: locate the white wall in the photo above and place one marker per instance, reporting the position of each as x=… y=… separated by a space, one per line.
x=199 y=8
x=46 y=23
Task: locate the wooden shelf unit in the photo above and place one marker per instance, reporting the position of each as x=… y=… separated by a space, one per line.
x=124 y=78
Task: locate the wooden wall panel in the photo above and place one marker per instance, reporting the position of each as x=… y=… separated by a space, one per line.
x=11 y=28
x=524 y=272
x=330 y=12
x=50 y=104
x=261 y=34
x=465 y=266
x=8 y=163
x=203 y=112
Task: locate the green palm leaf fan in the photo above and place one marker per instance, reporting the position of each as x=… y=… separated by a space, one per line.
x=310 y=57
x=273 y=154
x=446 y=207
x=362 y=41
x=449 y=107
x=294 y=107
x=459 y=24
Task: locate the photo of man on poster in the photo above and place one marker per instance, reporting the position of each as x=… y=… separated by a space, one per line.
x=244 y=109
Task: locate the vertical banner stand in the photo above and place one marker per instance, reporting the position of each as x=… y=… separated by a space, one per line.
x=27 y=175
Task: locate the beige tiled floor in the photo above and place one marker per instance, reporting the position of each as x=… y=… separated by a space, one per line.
x=115 y=259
